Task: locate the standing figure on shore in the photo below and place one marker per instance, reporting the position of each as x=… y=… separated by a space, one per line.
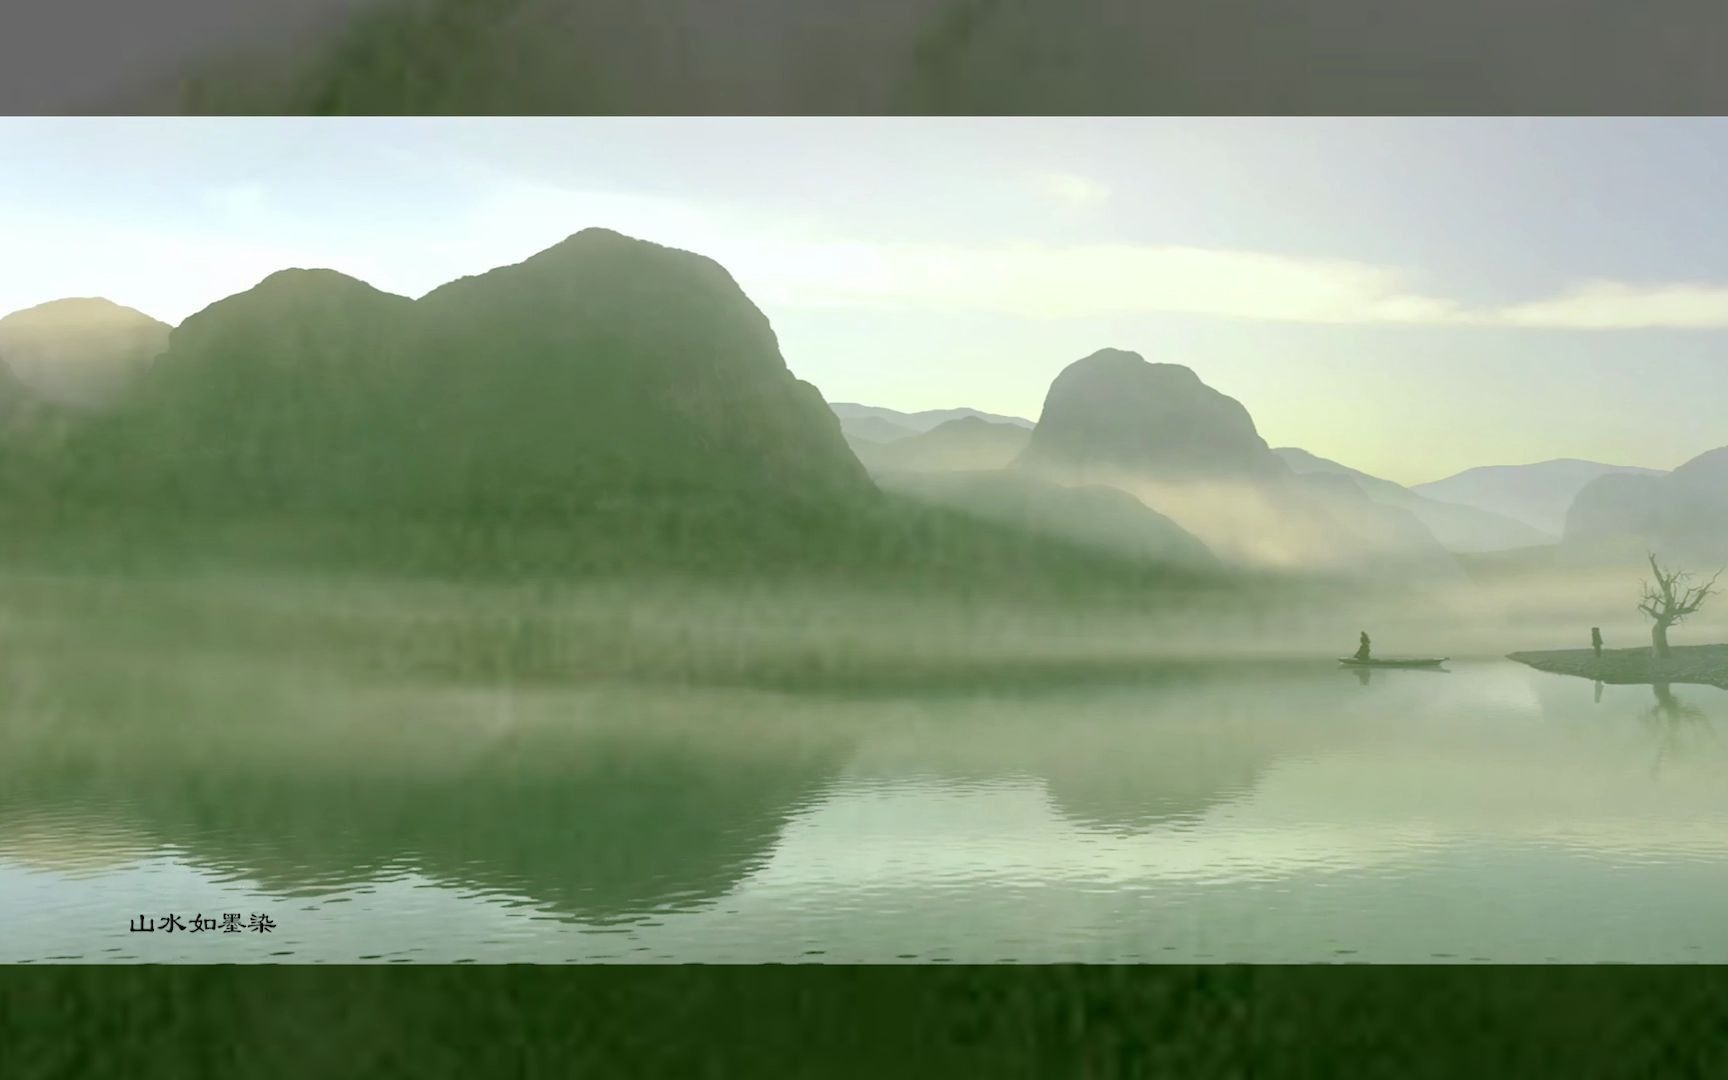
x=1596 y=641
x=1362 y=649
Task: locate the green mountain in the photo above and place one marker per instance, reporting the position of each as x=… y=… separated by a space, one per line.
x=602 y=366
x=605 y=406
x=607 y=364
x=263 y=400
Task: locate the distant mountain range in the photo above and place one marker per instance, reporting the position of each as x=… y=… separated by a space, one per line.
x=606 y=404
x=629 y=397
x=1458 y=527
x=1186 y=430
x=1682 y=515
x=954 y=445
x=1539 y=495
x=1484 y=509
x=887 y=425
x=1159 y=432
x=959 y=459
x=973 y=443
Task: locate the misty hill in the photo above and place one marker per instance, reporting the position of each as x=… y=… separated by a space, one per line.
x=1682 y=515
x=1458 y=528
x=885 y=425
x=1538 y=494
x=873 y=430
x=966 y=444
x=1093 y=517
x=80 y=352
x=1193 y=454
x=1114 y=411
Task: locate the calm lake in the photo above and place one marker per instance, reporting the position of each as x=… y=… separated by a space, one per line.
x=1270 y=813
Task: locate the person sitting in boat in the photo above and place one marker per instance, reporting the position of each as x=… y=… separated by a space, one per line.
x=1362 y=649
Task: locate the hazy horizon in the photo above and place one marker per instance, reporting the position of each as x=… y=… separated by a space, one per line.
x=1410 y=298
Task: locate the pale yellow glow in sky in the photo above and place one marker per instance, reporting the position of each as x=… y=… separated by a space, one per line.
x=1385 y=365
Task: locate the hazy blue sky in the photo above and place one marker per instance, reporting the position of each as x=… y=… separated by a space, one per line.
x=1412 y=297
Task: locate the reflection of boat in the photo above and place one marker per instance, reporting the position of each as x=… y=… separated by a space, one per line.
x=1351 y=661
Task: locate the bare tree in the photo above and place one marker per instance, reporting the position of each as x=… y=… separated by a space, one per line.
x=1670 y=599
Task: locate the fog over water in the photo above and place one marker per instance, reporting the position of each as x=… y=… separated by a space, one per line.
x=219 y=749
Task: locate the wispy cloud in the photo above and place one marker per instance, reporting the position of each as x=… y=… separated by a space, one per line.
x=783 y=262
x=1116 y=279
x=1609 y=305
x=1105 y=279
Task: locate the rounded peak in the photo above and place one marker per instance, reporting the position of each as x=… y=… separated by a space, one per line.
x=77 y=310
x=597 y=257
x=617 y=251
x=291 y=289
x=1114 y=409
x=1112 y=357
x=298 y=283
x=596 y=239
x=1124 y=361
x=302 y=278
x=599 y=234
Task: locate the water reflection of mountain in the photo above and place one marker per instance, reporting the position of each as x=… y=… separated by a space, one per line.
x=599 y=800
x=1160 y=752
x=595 y=802
x=586 y=803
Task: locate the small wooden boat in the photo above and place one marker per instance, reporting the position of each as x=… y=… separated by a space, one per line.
x=1393 y=661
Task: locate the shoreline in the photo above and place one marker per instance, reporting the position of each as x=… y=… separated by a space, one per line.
x=1705 y=665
